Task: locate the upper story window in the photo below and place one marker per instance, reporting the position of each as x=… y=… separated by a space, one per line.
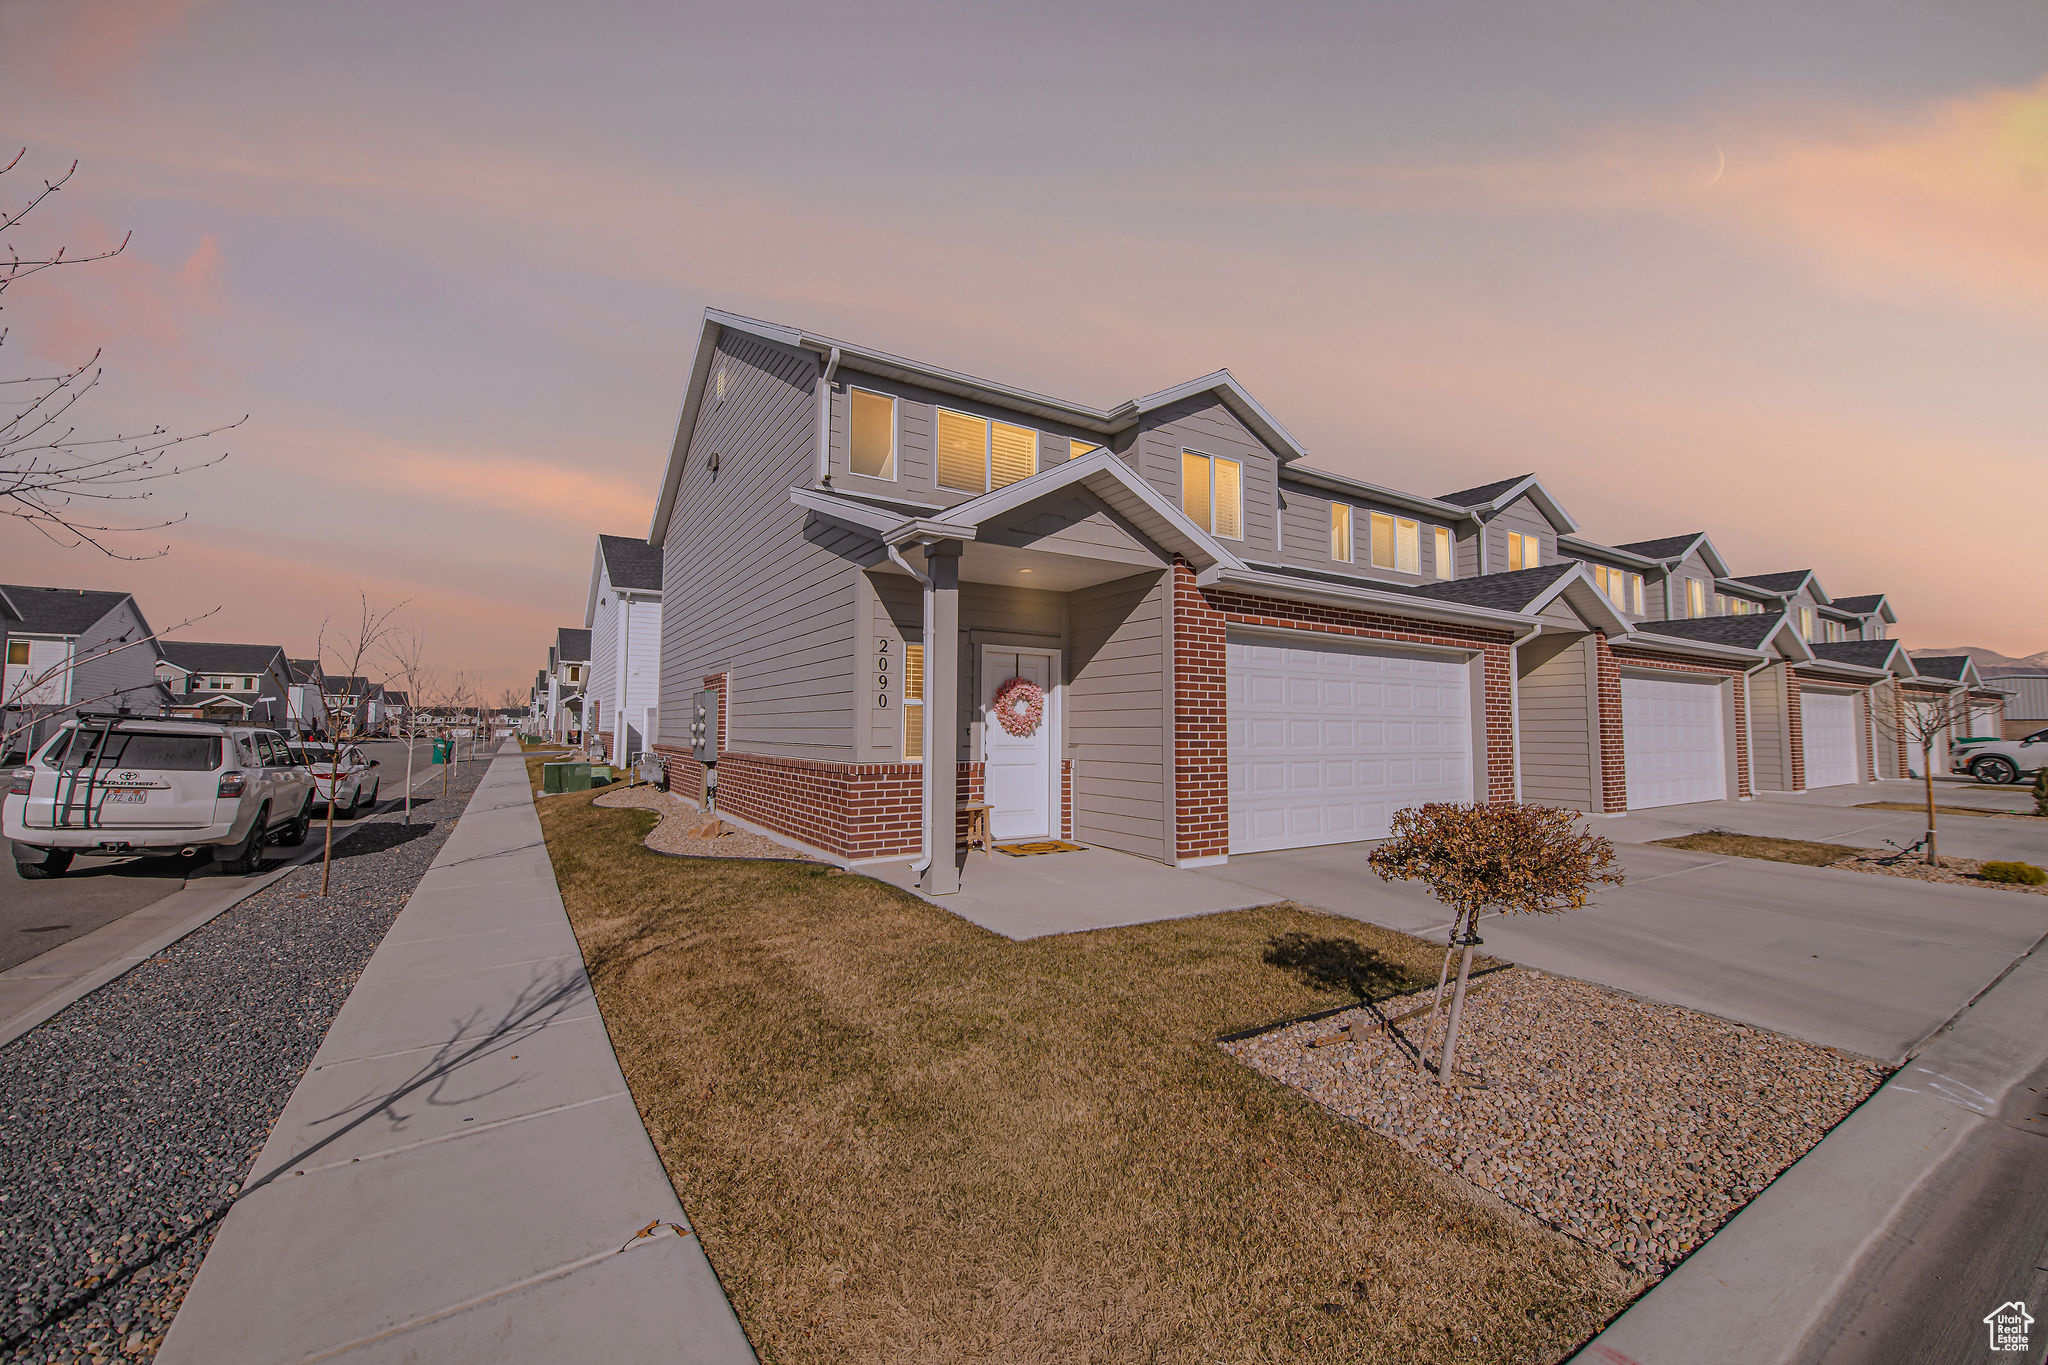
x=1340 y=532
x=913 y=703
x=17 y=653
x=1446 y=553
x=1624 y=589
x=1874 y=630
x=1212 y=493
x=978 y=455
x=1524 y=552
x=872 y=449
x=1076 y=449
x=1806 y=623
x=1738 y=606
x=1695 y=597
x=1396 y=543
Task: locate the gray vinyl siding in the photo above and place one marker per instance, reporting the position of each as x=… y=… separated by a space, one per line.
x=1519 y=515
x=1770 y=752
x=752 y=586
x=1305 y=536
x=126 y=678
x=893 y=612
x=1203 y=425
x=996 y=614
x=1556 y=722
x=604 y=656
x=1118 y=727
x=1652 y=588
x=916 y=470
x=1073 y=522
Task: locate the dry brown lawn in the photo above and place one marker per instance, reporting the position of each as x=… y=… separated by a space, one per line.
x=903 y=1138
x=1802 y=851
x=1920 y=808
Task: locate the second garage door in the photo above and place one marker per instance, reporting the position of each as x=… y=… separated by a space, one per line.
x=1672 y=741
x=1327 y=741
x=1827 y=722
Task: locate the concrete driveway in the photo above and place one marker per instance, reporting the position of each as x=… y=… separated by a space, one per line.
x=1870 y=964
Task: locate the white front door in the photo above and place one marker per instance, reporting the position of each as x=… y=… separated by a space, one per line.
x=1671 y=741
x=1020 y=772
x=1328 y=739
x=1827 y=726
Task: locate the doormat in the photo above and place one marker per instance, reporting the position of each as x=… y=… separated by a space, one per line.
x=1042 y=846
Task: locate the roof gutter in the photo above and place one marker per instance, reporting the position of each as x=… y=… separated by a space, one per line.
x=1679 y=644
x=1393 y=604
x=1338 y=483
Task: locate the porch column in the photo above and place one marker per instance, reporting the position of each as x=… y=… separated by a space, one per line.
x=942 y=702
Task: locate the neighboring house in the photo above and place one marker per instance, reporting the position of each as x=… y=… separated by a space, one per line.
x=568 y=675
x=227 y=682
x=623 y=616
x=1236 y=651
x=2026 y=707
x=1953 y=676
x=303 y=711
x=395 y=706
x=63 y=651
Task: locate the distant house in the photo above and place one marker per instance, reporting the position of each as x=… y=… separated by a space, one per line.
x=303 y=712
x=568 y=674
x=623 y=615
x=68 y=649
x=207 y=681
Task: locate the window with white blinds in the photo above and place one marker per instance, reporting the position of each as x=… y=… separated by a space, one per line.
x=1524 y=552
x=913 y=703
x=1446 y=554
x=1396 y=543
x=872 y=449
x=1340 y=532
x=977 y=455
x=1212 y=493
x=1623 y=589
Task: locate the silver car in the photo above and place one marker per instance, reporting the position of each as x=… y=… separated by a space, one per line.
x=116 y=786
x=1993 y=761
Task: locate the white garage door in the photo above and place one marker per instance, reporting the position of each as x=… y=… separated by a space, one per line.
x=1828 y=723
x=1671 y=741
x=1327 y=741
x=1984 y=721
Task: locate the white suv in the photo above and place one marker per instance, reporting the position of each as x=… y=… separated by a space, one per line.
x=112 y=786
x=1994 y=761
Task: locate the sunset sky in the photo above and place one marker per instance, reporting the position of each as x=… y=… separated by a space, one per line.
x=1778 y=272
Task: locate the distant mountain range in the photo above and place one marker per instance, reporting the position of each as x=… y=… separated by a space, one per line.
x=1990 y=661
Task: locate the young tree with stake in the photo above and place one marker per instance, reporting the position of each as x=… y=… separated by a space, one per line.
x=1512 y=857
x=344 y=726
x=1920 y=720
x=407 y=654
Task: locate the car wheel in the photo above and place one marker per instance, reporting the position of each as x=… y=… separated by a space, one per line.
x=54 y=863
x=248 y=855
x=294 y=834
x=1994 y=770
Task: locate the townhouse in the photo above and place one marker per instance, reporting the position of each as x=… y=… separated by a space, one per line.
x=895 y=592
x=68 y=649
x=229 y=682
x=566 y=675
x=622 y=614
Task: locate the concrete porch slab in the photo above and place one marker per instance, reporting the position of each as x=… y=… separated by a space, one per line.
x=1066 y=893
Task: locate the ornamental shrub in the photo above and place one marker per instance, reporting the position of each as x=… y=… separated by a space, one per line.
x=2023 y=874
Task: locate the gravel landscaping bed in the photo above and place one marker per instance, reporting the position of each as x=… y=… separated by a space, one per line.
x=1636 y=1127
x=131 y=1118
x=1953 y=871
x=679 y=814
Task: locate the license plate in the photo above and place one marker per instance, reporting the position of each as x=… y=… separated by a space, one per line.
x=127 y=797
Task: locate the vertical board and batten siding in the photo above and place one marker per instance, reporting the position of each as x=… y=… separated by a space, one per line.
x=995 y=613
x=916 y=424
x=1305 y=537
x=1203 y=425
x=1770 y=757
x=753 y=588
x=125 y=678
x=603 y=683
x=1559 y=710
x=640 y=655
x=1117 y=722
x=1519 y=515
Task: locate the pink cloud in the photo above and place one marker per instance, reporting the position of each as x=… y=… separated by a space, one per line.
x=102 y=42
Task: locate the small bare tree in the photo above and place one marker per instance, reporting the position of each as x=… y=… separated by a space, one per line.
x=407 y=653
x=51 y=476
x=1513 y=857
x=1919 y=720
x=349 y=647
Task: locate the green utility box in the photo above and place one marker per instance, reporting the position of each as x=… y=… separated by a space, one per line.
x=565 y=777
x=600 y=774
x=441 y=748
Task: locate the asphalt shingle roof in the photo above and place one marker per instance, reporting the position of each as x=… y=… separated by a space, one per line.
x=1945 y=666
x=195 y=656
x=1664 y=547
x=631 y=562
x=1856 y=606
x=1789 y=581
x=55 y=611
x=1499 y=591
x=1485 y=493
x=572 y=646
x=1867 y=653
x=1744 y=632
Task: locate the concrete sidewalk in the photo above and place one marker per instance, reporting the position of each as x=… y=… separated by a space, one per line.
x=462 y=1175
x=1922 y=1211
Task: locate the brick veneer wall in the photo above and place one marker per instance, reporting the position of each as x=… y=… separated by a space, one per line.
x=1201 y=736
x=1634 y=657
x=1613 y=735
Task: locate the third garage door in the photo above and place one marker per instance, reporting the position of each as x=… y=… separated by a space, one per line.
x=1672 y=741
x=1827 y=721
x=1328 y=740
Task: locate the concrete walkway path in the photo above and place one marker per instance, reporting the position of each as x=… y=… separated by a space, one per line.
x=462 y=1176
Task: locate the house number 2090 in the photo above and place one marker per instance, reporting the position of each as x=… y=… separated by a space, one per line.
x=882 y=672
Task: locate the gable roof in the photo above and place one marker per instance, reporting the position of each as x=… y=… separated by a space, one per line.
x=1528 y=591
x=56 y=611
x=572 y=646
x=1503 y=493
x=1751 y=631
x=304 y=670
x=1786 y=583
x=832 y=351
x=1484 y=494
x=1884 y=654
x=631 y=563
x=1665 y=547
x=1946 y=667
x=197 y=656
x=1858 y=606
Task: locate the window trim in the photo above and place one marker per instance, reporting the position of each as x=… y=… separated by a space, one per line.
x=1696 y=599
x=895 y=464
x=1214 y=460
x=1446 y=552
x=909 y=706
x=988 y=451
x=1525 y=547
x=1350 y=554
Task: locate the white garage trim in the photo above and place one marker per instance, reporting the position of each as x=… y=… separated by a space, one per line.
x=1329 y=736
x=1674 y=738
x=1827 y=726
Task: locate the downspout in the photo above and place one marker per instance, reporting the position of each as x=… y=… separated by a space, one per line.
x=825 y=423
x=924 y=810
x=625 y=662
